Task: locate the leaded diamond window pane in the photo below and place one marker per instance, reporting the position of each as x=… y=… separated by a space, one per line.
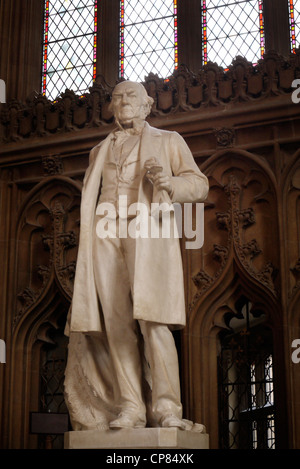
x=294 y=11
x=148 y=38
x=69 y=46
x=232 y=28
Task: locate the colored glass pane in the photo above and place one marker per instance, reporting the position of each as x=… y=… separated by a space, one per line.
x=69 y=52
x=232 y=28
x=294 y=13
x=148 y=38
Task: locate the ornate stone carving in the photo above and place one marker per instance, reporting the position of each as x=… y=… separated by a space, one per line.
x=184 y=91
x=202 y=278
x=245 y=252
x=52 y=164
x=50 y=254
x=240 y=71
x=220 y=253
x=246 y=217
x=44 y=273
x=234 y=223
x=296 y=273
x=225 y=137
x=27 y=297
x=223 y=220
x=296 y=270
x=267 y=275
x=251 y=249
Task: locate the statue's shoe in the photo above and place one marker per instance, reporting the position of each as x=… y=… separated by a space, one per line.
x=127 y=421
x=171 y=420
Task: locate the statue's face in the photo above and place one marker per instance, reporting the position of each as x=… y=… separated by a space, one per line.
x=128 y=102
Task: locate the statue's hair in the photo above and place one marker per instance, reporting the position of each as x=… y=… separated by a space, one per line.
x=147 y=100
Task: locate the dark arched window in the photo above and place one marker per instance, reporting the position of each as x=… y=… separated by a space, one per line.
x=246 y=386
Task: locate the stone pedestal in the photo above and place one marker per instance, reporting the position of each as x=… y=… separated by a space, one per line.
x=143 y=438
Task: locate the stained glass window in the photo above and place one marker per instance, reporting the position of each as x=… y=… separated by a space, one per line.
x=69 y=49
x=148 y=38
x=294 y=12
x=232 y=28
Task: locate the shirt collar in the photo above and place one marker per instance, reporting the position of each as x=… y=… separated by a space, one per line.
x=137 y=130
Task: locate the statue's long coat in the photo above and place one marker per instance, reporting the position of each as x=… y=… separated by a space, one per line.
x=158 y=292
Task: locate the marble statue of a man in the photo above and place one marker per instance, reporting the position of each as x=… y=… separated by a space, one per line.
x=122 y=369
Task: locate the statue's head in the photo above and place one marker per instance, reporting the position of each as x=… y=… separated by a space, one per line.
x=130 y=103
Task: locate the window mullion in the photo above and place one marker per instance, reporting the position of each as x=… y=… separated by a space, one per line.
x=189 y=34
x=108 y=41
x=276 y=19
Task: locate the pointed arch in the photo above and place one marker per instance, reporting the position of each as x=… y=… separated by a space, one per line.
x=290 y=209
x=47 y=236
x=237 y=260
x=46 y=250
x=202 y=344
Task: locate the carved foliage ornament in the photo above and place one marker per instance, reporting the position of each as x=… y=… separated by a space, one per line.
x=293 y=227
x=47 y=244
x=234 y=222
x=52 y=164
x=225 y=137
